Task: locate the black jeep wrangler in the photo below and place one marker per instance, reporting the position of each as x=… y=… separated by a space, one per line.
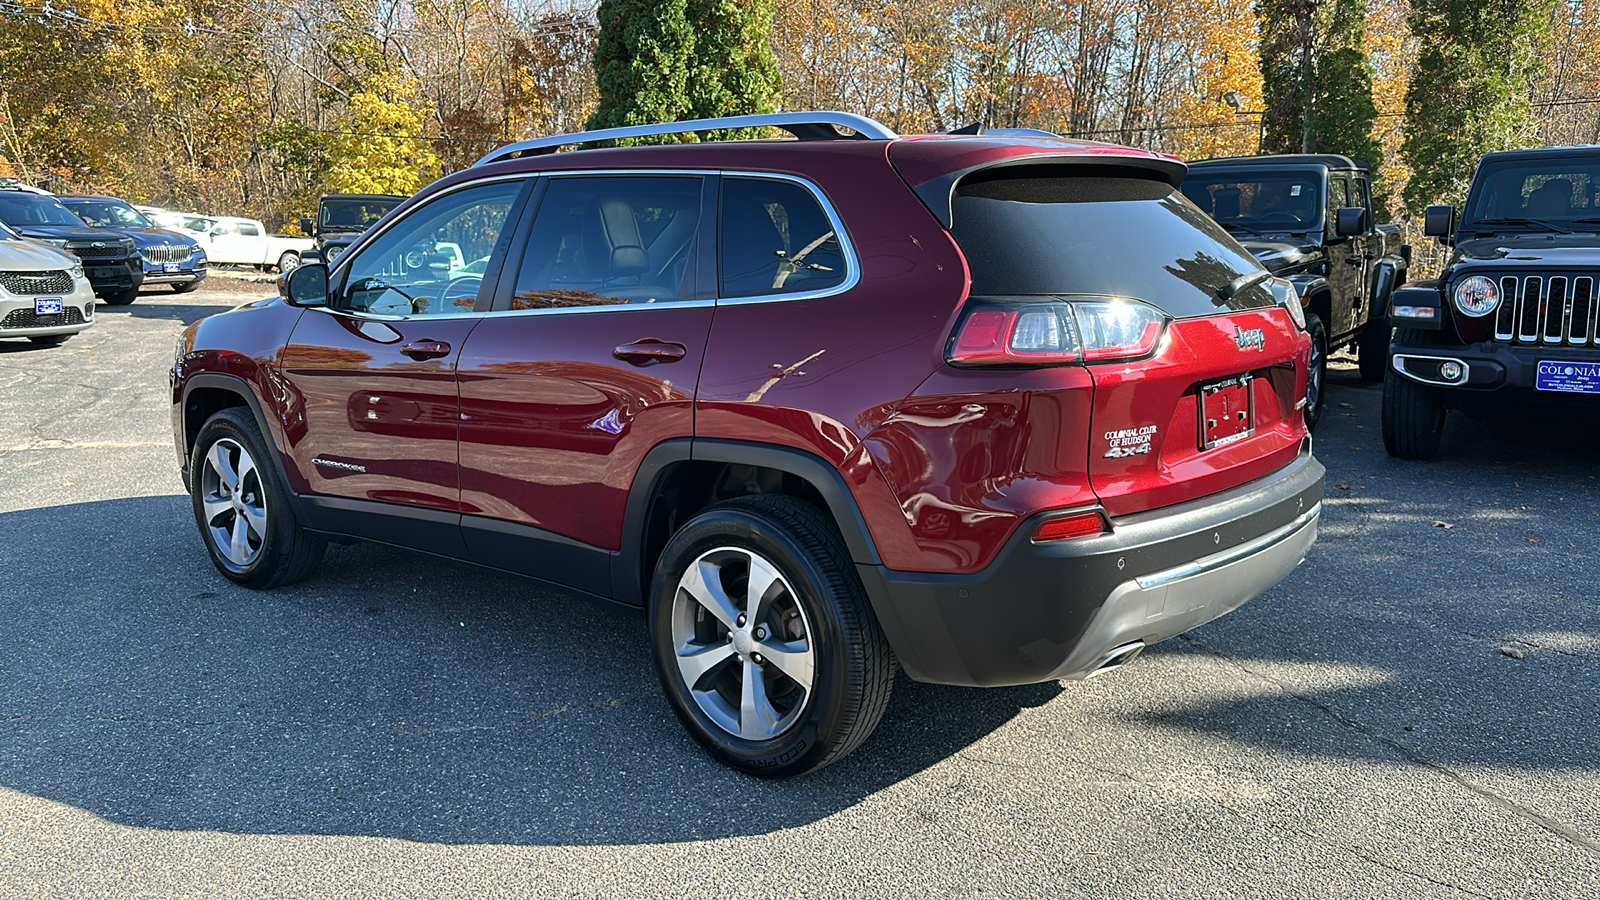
x=1308 y=218
x=1511 y=320
x=341 y=218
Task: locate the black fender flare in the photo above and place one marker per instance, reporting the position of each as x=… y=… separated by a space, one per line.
x=1306 y=285
x=628 y=573
x=1386 y=279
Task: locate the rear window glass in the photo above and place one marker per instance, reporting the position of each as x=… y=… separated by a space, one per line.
x=776 y=240
x=1034 y=230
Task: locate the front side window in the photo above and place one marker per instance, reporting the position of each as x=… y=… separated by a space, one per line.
x=432 y=261
x=776 y=239
x=610 y=240
x=1338 y=198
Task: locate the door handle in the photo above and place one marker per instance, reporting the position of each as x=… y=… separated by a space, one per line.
x=650 y=350
x=426 y=349
x=1352 y=260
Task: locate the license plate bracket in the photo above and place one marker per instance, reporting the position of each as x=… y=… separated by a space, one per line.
x=1227 y=411
x=172 y=267
x=47 y=306
x=1567 y=377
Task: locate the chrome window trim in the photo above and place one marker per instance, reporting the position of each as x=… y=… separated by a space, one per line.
x=846 y=246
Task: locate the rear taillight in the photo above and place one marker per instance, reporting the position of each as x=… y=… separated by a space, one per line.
x=1038 y=332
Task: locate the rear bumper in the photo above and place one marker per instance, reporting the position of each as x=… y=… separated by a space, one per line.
x=1068 y=609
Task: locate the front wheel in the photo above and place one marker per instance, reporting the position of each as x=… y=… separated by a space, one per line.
x=122 y=298
x=764 y=639
x=185 y=287
x=1372 y=351
x=241 y=506
x=1413 y=414
x=1317 y=372
x=288 y=261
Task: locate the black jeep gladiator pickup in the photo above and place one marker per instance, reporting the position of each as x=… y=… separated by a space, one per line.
x=341 y=218
x=1308 y=218
x=1510 y=323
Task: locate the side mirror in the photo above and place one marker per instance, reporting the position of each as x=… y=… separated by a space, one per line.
x=305 y=225
x=1439 y=221
x=305 y=285
x=1350 y=221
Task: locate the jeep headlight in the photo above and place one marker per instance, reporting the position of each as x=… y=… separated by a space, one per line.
x=1477 y=296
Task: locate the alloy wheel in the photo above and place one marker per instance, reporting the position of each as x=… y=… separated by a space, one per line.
x=743 y=644
x=234 y=504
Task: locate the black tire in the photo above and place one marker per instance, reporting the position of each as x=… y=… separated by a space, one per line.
x=121 y=298
x=185 y=287
x=1372 y=351
x=1413 y=414
x=1317 y=373
x=288 y=261
x=50 y=340
x=852 y=668
x=284 y=552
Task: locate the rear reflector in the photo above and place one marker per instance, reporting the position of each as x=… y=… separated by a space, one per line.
x=1074 y=525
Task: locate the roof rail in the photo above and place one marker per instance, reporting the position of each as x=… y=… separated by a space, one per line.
x=807 y=126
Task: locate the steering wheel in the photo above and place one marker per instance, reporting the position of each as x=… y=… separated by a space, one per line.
x=455 y=289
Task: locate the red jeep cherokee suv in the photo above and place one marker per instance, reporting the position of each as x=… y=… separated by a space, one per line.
x=991 y=409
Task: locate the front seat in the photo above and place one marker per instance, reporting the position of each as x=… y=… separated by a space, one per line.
x=613 y=250
x=1553 y=200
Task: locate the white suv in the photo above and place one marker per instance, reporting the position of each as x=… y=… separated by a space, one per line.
x=43 y=294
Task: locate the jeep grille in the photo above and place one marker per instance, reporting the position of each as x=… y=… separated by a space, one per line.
x=31 y=283
x=1546 y=310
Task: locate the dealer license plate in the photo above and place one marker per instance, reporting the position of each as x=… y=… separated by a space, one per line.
x=1568 y=377
x=47 y=306
x=1227 y=411
x=172 y=267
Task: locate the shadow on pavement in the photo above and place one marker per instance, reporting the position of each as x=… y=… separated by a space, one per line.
x=390 y=695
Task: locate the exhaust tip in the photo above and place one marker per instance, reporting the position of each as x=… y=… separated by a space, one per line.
x=1116 y=659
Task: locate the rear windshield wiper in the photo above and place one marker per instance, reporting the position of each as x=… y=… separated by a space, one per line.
x=1243 y=283
x=1519 y=220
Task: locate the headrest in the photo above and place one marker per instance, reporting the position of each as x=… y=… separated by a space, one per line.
x=611 y=240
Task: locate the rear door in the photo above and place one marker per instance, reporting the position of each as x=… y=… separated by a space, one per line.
x=590 y=359
x=373 y=375
x=1213 y=404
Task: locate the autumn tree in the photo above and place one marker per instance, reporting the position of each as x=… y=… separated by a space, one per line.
x=1475 y=61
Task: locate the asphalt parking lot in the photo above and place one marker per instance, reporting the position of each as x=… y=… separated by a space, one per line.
x=1414 y=712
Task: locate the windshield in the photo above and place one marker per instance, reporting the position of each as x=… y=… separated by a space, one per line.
x=1286 y=201
x=107 y=213
x=6 y=234
x=1557 y=190
x=1030 y=230
x=353 y=214
x=20 y=210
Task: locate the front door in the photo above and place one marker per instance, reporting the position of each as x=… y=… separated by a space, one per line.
x=590 y=360
x=372 y=377
x=1344 y=262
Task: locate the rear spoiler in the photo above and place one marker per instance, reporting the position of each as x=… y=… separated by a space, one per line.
x=938 y=193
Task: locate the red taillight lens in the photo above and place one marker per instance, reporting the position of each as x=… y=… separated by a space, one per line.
x=1049 y=332
x=1073 y=525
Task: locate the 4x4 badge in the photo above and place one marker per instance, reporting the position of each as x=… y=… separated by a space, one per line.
x=1251 y=339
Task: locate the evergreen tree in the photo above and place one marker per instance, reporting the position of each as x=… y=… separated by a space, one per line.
x=735 y=71
x=642 y=63
x=1475 y=61
x=1341 y=113
x=1288 y=37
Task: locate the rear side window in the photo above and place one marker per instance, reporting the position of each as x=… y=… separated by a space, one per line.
x=776 y=240
x=610 y=240
x=1036 y=230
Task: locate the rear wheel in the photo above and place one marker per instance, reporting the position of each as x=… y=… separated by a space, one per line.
x=288 y=260
x=122 y=298
x=1372 y=351
x=764 y=639
x=241 y=506
x=1317 y=373
x=1413 y=414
